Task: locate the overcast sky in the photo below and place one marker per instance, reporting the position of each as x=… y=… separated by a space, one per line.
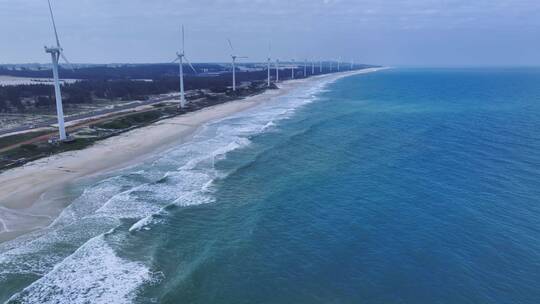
x=389 y=32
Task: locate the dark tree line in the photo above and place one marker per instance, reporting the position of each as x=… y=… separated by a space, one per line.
x=117 y=87
x=88 y=91
x=104 y=72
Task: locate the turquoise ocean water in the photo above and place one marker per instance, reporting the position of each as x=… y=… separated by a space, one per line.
x=400 y=186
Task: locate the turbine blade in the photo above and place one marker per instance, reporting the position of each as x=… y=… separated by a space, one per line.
x=183 y=45
x=230 y=44
x=54 y=24
x=175 y=60
x=190 y=65
x=67 y=61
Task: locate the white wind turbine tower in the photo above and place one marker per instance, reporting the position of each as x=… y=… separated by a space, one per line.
x=320 y=66
x=312 y=67
x=305 y=68
x=338 y=62
x=57 y=52
x=180 y=56
x=234 y=57
x=268 y=62
x=277 y=70
x=292 y=69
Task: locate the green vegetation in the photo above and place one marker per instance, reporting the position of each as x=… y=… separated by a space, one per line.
x=129 y=121
x=25 y=153
x=18 y=138
x=29 y=98
x=138 y=119
x=44 y=148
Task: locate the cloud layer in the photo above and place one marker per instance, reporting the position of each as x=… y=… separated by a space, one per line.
x=409 y=32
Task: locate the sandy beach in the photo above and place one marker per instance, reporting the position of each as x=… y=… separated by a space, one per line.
x=30 y=195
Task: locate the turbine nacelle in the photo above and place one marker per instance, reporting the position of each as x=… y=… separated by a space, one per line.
x=53 y=49
x=234 y=57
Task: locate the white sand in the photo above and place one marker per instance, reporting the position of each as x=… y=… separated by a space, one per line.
x=24 y=203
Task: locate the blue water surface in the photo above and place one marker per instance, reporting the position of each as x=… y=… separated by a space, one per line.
x=402 y=186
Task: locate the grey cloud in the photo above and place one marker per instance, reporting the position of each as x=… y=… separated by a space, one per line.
x=377 y=31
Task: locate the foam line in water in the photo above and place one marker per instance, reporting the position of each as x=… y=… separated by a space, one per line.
x=93 y=274
x=90 y=271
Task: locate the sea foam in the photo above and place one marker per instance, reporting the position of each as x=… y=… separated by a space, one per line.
x=89 y=270
x=92 y=274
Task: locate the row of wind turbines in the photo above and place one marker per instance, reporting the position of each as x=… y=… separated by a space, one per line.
x=57 y=53
x=181 y=56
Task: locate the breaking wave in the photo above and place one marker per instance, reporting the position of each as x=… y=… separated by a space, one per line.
x=72 y=260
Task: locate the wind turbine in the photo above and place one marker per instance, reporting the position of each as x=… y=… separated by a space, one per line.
x=338 y=62
x=56 y=53
x=305 y=68
x=268 y=63
x=180 y=56
x=234 y=57
x=277 y=70
x=312 y=67
x=320 y=66
x=292 y=69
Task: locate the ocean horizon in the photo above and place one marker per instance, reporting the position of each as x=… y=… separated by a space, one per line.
x=407 y=185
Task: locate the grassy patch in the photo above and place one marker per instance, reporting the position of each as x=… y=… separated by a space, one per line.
x=32 y=150
x=129 y=121
x=25 y=153
x=18 y=138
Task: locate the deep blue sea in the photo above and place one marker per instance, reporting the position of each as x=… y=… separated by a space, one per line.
x=401 y=186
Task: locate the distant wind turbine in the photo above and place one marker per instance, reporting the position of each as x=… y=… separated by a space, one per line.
x=277 y=70
x=57 y=52
x=234 y=57
x=268 y=62
x=312 y=67
x=180 y=56
x=292 y=69
x=320 y=66
x=305 y=68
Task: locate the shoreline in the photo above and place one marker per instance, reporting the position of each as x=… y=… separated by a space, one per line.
x=24 y=205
